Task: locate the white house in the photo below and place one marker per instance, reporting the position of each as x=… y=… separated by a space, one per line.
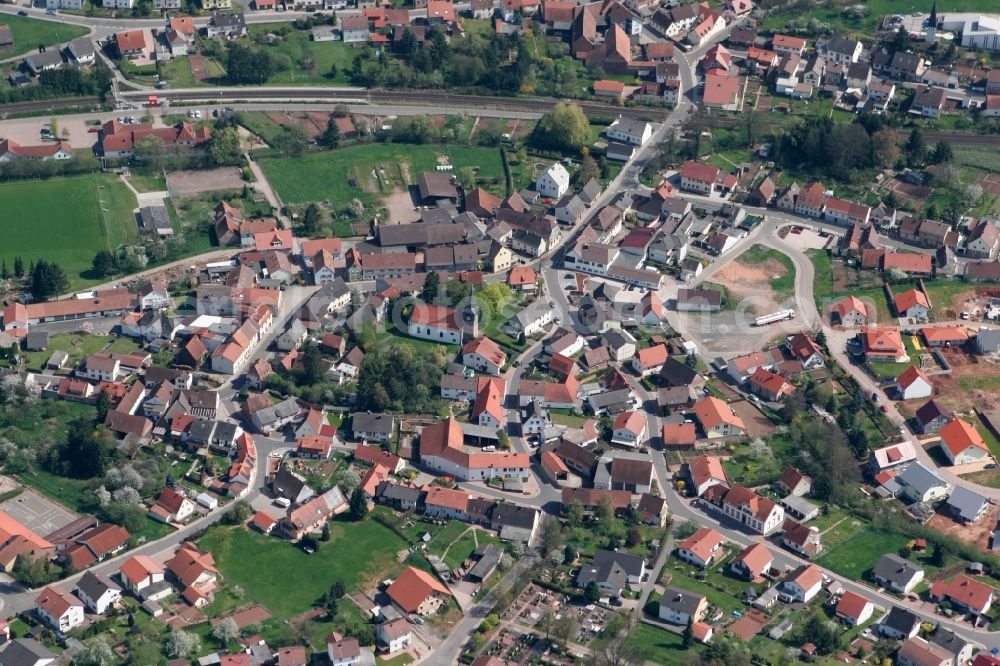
x=701 y=548
x=854 y=609
x=553 y=182
x=140 y=572
x=629 y=429
x=632 y=131
x=913 y=384
x=802 y=585
x=98 y=592
x=435 y=323
x=59 y=609
x=484 y=355
x=394 y=635
x=961 y=443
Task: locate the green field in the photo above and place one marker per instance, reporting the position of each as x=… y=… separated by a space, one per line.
x=855 y=556
x=28 y=33
x=59 y=219
x=289 y=581
x=299 y=47
x=660 y=646
x=329 y=175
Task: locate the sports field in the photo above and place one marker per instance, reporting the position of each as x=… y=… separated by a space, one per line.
x=368 y=171
x=60 y=219
x=28 y=33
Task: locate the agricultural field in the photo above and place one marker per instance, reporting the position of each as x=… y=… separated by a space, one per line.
x=74 y=227
x=28 y=33
x=366 y=172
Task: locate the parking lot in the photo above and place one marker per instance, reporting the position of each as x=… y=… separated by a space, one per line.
x=37 y=512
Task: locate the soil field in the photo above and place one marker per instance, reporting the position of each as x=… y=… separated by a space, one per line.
x=977 y=533
x=972 y=383
x=756 y=423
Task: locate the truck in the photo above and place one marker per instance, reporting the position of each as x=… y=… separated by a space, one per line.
x=781 y=315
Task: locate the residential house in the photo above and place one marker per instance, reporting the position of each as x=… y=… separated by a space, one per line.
x=966 y=594
x=899 y=624
x=612 y=572
x=98 y=592
x=913 y=383
x=484 y=355
x=961 y=443
x=753 y=562
x=897 y=574
x=59 y=609
x=171 y=507
x=717 y=419
x=703 y=472
x=312 y=515
x=417 y=592
x=916 y=651
x=682 y=607
x=141 y=573
x=802 y=585
x=920 y=484
x=853 y=609
x=931 y=417
x=966 y=506
x=553 y=182
x=701 y=548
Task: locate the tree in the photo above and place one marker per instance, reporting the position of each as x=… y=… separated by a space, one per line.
x=331 y=136
x=604 y=512
x=238 y=513
x=503 y=440
x=33 y=571
x=104 y=264
x=87 y=449
x=103 y=405
x=312 y=219
x=588 y=170
x=225 y=146
x=564 y=628
x=4 y=273
x=551 y=537
x=885 y=147
x=686 y=529
x=181 y=643
x=432 y=285
x=48 y=280
x=359 y=504
x=312 y=364
x=95 y=652
x=325 y=534
x=942 y=551
x=150 y=151
x=337 y=589
x=915 y=147
x=634 y=537
x=466 y=178
x=687 y=636
x=248 y=66
x=564 y=127
x=592 y=593
x=226 y=631
x=942 y=153
x=18 y=267
x=569 y=554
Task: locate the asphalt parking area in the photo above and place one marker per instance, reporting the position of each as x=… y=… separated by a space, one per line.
x=37 y=512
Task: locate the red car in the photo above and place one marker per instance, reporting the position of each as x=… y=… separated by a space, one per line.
x=796 y=230
x=94 y=130
x=883 y=408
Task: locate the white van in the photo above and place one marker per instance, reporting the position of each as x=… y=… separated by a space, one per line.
x=283 y=502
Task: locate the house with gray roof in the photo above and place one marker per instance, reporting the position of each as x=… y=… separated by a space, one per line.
x=612 y=572
x=291 y=487
x=533 y=319
x=897 y=574
x=988 y=341
x=489 y=559
x=922 y=485
x=682 y=607
x=98 y=592
x=373 y=426
x=276 y=416
x=966 y=506
x=612 y=402
x=959 y=648
x=26 y=652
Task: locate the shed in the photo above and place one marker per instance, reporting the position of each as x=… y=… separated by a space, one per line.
x=207 y=501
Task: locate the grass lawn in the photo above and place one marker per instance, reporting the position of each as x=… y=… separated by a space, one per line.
x=298 y=46
x=148 y=182
x=77 y=345
x=28 y=33
x=345 y=174
x=890 y=369
x=567 y=418
x=660 y=646
x=398 y=660
x=857 y=555
x=356 y=553
x=72 y=230
x=718 y=598
x=784 y=285
x=440 y=541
